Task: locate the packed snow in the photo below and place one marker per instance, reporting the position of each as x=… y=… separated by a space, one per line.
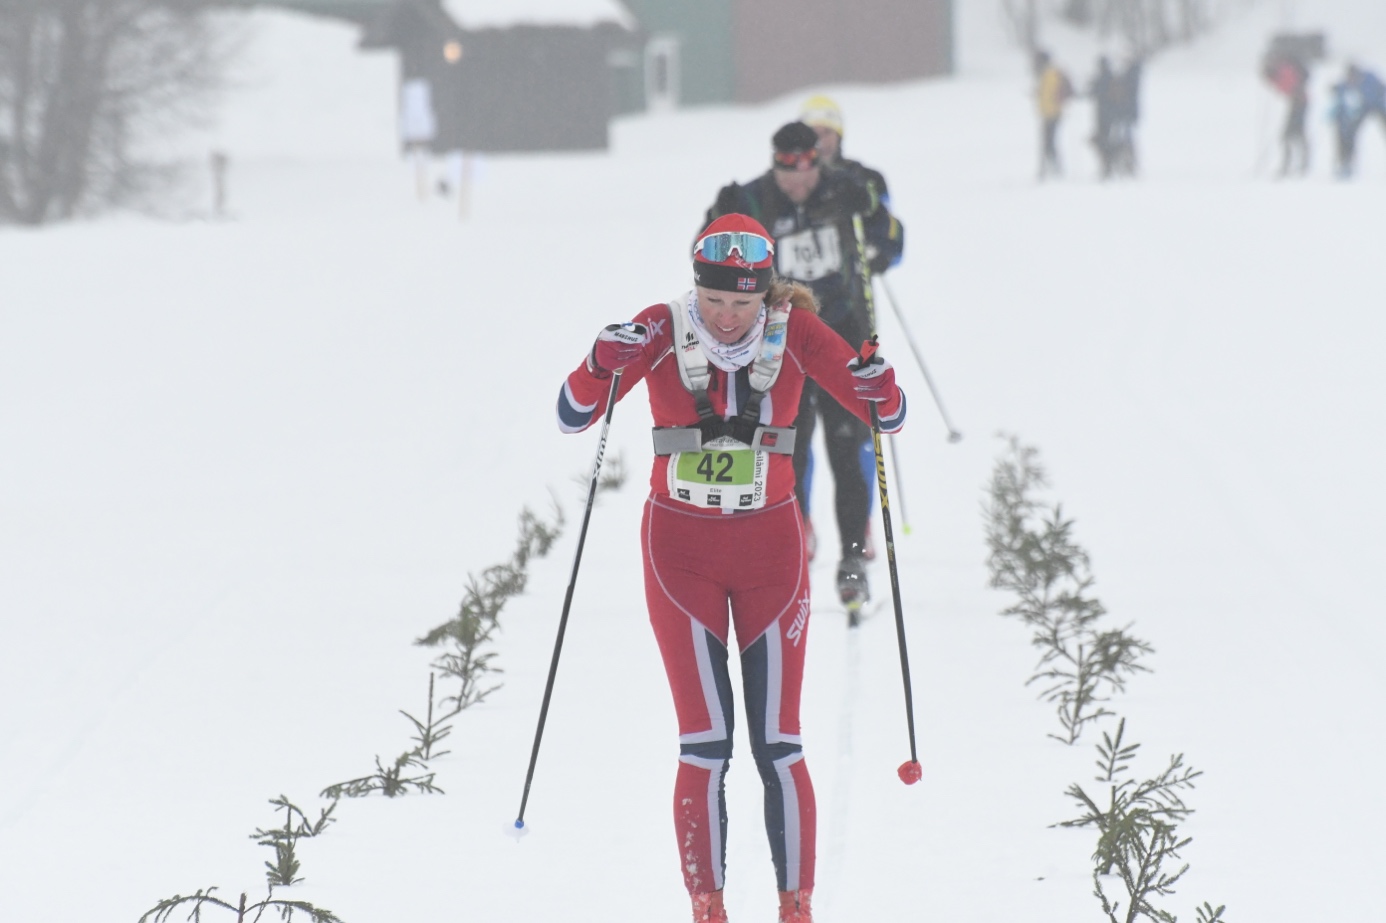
x=247 y=461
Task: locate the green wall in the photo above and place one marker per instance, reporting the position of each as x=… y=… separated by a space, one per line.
x=707 y=66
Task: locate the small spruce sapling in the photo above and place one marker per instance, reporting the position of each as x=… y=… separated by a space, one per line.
x=469 y=633
x=1138 y=838
x=245 y=912
x=431 y=731
x=1033 y=554
x=394 y=780
x=283 y=871
x=612 y=477
x=391 y=781
x=1206 y=913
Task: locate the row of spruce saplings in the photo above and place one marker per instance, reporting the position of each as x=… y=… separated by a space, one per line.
x=465 y=660
x=1083 y=664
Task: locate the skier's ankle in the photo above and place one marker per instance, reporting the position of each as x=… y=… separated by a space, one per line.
x=796 y=906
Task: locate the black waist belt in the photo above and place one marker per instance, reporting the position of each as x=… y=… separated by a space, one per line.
x=778 y=440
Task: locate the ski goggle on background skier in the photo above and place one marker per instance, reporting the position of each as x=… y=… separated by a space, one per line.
x=715 y=248
x=796 y=160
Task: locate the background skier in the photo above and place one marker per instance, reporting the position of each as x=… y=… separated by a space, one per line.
x=1345 y=112
x=885 y=241
x=1290 y=77
x=724 y=365
x=1371 y=91
x=1053 y=89
x=1104 y=92
x=809 y=211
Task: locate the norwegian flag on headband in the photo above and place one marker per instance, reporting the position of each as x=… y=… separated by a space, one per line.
x=744 y=284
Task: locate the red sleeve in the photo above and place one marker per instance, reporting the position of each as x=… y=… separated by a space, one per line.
x=824 y=355
x=583 y=397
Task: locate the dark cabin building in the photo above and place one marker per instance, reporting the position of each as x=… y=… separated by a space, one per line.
x=529 y=85
x=504 y=78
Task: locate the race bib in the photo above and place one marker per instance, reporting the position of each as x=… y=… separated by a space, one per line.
x=726 y=474
x=810 y=254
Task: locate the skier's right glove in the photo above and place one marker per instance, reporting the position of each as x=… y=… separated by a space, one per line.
x=617 y=346
x=858 y=198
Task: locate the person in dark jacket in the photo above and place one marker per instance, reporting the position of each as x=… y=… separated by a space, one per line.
x=808 y=209
x=1128 y=115
x=1290 y=77
x=1104 y=92
x=885 y=240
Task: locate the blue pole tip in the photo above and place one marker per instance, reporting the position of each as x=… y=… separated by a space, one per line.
x=519 y=823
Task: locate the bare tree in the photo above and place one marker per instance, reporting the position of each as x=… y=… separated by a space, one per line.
x=1147 y=26
x=84 y=86
x=1022 y=17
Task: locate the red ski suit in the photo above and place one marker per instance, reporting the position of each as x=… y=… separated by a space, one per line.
x=701 y=562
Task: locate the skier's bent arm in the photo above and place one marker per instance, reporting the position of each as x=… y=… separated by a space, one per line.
x=582 y=399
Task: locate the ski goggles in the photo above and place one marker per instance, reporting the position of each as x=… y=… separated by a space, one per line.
x=715 y=248
x=796 y=160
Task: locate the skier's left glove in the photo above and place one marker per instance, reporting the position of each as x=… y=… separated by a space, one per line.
x=875 y=378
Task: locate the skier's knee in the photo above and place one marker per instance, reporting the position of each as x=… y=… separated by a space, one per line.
x=708 y=749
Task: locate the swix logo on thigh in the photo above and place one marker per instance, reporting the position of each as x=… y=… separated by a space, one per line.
x=796 y=627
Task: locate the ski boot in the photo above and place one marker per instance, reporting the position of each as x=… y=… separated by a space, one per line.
x=852 y=587
x=707 y=907
x=795 y=906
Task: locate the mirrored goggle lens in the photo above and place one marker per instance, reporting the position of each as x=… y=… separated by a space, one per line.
x=717 y=247
x=796 y=160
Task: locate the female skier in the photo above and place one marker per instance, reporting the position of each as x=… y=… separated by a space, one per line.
x=724 y=365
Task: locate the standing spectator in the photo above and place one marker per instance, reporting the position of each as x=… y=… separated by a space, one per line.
x=885 y=240
x=1346 y=113
x=1104 y=92
x=1290 y=77
x=418 y=127
x=1370 y=90
x=1127 y=92
x=809 y=211
x=1053 y=90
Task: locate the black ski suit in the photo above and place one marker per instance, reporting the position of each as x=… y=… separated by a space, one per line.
x=815 y=243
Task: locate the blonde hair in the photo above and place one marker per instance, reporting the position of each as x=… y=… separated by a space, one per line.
x=799 y=296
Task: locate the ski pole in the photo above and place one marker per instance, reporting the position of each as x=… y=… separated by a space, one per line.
x=953 y=434
x=910 y=772
x=568 y=597
x=868 y=293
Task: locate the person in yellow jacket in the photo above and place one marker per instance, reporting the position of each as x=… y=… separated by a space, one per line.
x=1052 y=92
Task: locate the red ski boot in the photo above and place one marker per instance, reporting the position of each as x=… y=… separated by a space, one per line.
x=707 y=907
x=795 y=906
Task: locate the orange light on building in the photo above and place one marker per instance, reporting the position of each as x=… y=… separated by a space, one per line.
x=452 y=52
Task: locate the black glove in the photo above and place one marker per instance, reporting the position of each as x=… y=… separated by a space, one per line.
x=858 y=199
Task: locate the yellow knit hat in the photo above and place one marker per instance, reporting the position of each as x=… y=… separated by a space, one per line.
x=821 y=112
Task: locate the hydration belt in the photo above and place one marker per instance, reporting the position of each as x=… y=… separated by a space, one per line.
x=745 y=427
